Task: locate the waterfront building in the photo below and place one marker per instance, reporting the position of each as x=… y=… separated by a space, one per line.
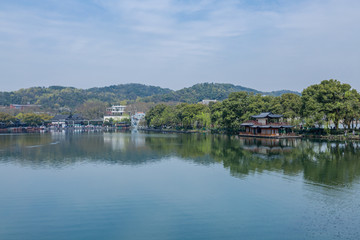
x=266 y=124
x=116 y=113
x=62 y=121
x=116 y=110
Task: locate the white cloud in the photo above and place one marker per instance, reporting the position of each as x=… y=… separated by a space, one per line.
x=290 y=45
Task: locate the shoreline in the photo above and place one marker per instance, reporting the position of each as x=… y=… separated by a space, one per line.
x=334 y=137
x=349 y=137
x=300 y=136
x=174 y=131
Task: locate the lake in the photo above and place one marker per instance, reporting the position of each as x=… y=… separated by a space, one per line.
x=177 y=186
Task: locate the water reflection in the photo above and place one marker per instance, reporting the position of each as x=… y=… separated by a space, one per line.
x=329 y=163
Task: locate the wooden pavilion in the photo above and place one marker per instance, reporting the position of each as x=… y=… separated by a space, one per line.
x=266 y=124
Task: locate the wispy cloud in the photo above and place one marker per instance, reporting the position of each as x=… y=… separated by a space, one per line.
x=282 y=44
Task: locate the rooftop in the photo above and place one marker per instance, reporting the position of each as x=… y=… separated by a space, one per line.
x=267 y=115
x=255 y=124
x=73 y=117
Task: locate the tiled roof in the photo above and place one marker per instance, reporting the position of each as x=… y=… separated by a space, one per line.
x=59 y=117
x=249 y=123
x=267 y=115
x=255 y=124
x=74 y=117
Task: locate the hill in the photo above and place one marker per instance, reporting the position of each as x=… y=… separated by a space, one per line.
x=280 y=92
x=198 y=92
x=59 y=96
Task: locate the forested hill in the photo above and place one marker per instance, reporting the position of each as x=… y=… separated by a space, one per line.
x=58 y=96
x=198 y=92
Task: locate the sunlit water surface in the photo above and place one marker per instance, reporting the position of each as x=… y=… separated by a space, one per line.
x=168 y=186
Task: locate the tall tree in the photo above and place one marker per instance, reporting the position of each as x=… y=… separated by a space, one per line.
x=6 y=119
x=351 y=108
x=325 y=101
x=291 y=105
x=152 y=117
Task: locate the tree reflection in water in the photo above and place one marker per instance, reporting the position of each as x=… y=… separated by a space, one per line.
x=329 y=163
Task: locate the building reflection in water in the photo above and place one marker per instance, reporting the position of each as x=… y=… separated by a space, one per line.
x=268 y=145
x=324 y=162
x=124 y=141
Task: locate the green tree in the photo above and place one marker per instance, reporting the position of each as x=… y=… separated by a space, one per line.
x=32 y=119
x=291 y=106
x=7 y=119
x=45 y=117
x=237 y=108
x=216 y=115
x=325 y=101
x=351 y=108
x=153 y=117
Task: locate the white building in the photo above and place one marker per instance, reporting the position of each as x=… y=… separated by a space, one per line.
x=116 y=110
x=116 y=113
x=207 y=101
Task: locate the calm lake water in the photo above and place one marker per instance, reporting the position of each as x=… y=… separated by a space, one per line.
x=169 y=186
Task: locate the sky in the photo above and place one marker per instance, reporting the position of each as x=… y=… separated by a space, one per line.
x=263 y=44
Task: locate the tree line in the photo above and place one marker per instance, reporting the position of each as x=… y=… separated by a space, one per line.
x=29 y=119
x=326 y=105
x=321 y=105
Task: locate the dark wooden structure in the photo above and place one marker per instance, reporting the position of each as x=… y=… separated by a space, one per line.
x=266 y=125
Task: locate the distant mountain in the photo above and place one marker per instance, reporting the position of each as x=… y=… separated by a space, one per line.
x=280 y=92
x=129 y=91
x=59 y=96
x=198 y=92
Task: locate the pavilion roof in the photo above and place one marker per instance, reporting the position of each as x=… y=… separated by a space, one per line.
x=68 y=117
x=255 y=124
x=267 y=115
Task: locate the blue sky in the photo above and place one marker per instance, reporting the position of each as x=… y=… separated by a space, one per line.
x=266 y=45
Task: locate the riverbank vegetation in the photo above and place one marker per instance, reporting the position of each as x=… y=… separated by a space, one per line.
x=323 y=106
x=319 y=109
x=28 y=119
